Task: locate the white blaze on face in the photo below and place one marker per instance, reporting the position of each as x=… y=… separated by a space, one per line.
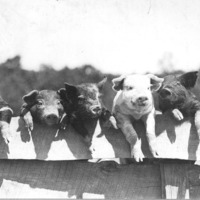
x=134 y=88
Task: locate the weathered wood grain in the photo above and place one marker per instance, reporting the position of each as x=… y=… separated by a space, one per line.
x=78 y=179
x=165 y=179
x=174 y=179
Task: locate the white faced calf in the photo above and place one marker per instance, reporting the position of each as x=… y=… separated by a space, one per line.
x=134 y=101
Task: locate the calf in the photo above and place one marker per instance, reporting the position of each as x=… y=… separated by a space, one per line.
x=175 y=96
x=5 y=116
x=42 y=107
x=83 y=106
x=134 y=101
x=44 y=110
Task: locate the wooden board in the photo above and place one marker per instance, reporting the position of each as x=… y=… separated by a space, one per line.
x=104 y=180
x=174 y=178
x=194 y=181
x=78 y=179
x=174 y=140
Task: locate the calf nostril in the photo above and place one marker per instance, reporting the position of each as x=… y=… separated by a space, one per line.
x=52 y=117
x=142 y=99
x=96 y=109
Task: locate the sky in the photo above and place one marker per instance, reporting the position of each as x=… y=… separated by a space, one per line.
x=115 y=36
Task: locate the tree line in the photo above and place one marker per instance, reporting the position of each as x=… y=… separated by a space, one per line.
x=15 y=81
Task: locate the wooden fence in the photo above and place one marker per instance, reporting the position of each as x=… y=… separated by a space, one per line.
x=48 y=163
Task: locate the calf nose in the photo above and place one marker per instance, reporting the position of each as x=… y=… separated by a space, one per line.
x=52 y=117
x=142 y=99
x=95 y=109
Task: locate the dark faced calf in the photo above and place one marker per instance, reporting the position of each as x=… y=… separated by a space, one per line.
x=83 y=106
x=45 y=108
x=175 y=95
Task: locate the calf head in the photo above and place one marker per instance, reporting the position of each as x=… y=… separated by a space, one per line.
x=83 y=100
x=137 y=90
x=174 y=92
x=45 y=106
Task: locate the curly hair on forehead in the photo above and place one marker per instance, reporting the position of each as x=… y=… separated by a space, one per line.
x=88 y=90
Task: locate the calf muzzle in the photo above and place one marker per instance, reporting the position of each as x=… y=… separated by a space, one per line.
x=52 y=119
x=96 y=110
x=142 y=100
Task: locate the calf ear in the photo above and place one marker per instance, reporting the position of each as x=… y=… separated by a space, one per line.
x=188 y=80
x=62 y=93
x=118 y=83
x=71 y=90
x=101 y=84
x=30 y=98
x=156 y=82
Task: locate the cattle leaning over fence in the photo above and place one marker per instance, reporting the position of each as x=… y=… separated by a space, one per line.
x=50 y=137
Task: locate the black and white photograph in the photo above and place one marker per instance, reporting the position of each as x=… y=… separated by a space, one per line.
x=100 y=99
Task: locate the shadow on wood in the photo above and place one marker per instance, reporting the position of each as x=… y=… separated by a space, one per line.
x=174 y=140
x=45 y=143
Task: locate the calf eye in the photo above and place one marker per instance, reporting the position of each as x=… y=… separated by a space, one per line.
x=59 y=102
x=100 y=95
x=81 y=97
x=129 y=88
x=39 y=103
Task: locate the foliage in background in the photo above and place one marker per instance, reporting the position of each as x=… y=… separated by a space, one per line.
x=16 y=81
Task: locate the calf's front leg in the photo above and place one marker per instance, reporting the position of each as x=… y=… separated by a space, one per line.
x=28 y=119
x=149 y=121
x=177 y=114
x=128 y=130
